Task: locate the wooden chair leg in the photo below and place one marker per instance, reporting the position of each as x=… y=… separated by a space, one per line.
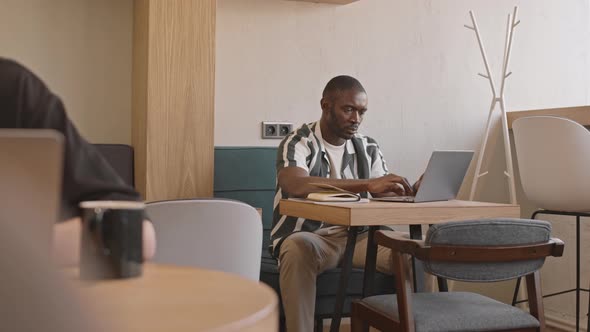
x=533 y=285
x=319 y=325
x=356 y=322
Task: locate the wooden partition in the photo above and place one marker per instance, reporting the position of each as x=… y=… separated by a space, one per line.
x=173 y=97
x=580 y=114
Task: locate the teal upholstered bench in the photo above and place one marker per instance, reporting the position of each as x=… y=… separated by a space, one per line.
x=247 y=174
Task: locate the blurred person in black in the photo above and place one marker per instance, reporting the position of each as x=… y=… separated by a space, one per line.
x=27 y=103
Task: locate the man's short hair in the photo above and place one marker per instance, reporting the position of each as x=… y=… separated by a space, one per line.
x=342 y=83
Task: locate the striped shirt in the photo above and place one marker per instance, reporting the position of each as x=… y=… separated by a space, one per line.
x=304 y=148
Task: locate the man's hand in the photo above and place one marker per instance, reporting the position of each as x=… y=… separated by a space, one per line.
x=297 y=183
x=390 y=183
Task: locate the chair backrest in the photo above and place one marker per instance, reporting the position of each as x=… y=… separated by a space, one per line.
x=501 y=232
x=218 y=234
x=553 y=159
x=248 y=174
x=120 y=157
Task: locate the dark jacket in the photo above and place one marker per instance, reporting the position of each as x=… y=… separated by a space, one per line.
x=26 y=102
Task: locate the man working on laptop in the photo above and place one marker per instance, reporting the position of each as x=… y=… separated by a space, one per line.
x=25 y=102
x=329 y=151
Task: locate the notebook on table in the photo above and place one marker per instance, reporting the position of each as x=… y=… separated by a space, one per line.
x=330 y=193
x=442 y=179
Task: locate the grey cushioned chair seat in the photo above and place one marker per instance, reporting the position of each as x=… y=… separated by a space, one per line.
x=456 y=311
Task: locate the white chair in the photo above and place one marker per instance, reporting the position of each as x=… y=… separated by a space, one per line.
x=554 y=160
x=217 y=234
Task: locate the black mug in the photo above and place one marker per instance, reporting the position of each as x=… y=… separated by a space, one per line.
x=111 y=241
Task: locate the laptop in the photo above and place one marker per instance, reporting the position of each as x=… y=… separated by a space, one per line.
x=442 y=179
x=30 y=182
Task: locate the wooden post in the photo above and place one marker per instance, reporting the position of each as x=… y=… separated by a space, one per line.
x=173 y=97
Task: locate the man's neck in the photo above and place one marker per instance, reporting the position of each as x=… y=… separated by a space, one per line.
x=329 y=137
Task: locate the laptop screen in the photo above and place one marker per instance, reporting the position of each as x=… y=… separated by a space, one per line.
x=30 y=178
x=444 y=175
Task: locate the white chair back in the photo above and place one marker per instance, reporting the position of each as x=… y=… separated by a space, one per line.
x=554 y=162
x=217 y=234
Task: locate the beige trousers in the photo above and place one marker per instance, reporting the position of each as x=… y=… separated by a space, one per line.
x=303 y=257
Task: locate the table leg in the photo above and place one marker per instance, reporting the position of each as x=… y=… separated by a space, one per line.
x=442 y=282
x=345 y=273
x=417 y=266
x=370 y=263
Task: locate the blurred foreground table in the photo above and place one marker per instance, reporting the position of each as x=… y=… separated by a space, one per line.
x=170 y=298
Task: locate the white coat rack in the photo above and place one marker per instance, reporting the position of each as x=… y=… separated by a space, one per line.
x=496 y=99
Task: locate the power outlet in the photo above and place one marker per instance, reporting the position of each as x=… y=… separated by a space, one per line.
x=276 y=130
x=285 y=129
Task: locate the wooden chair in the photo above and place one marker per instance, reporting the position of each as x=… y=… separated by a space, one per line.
x=483 y=250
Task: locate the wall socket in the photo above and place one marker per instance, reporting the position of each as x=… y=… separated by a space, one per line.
x=278 y=130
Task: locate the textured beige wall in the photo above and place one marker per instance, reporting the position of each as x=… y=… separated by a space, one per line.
x=416 y=60
x=82 y=50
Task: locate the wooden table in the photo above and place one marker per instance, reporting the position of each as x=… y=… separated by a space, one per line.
x=169 y=298
x=388 y=213
x=375 y=214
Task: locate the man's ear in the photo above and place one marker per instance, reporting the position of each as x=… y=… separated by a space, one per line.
x=325 y=104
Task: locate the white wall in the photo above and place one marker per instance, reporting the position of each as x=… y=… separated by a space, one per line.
x=415 y=58
x=419 y=65
x=82 y=50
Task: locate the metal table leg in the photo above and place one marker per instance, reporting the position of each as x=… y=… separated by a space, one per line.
x=417 y=266
x=442 y=282
x=370 y=263
x=345 y=274
x=370 y=267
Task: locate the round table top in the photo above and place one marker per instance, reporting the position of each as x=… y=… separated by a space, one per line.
x=172 y=298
